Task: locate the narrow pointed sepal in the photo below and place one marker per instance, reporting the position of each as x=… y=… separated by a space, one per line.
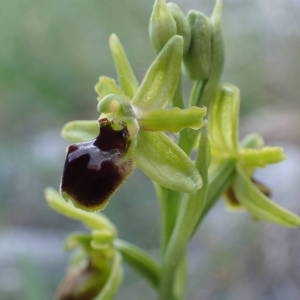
x=160 y=82
x=125 y=72
x=166 y=163
x=259 y=204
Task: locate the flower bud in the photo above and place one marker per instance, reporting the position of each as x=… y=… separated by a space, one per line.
x=81 y=282
x=94 y=169
x=197 y=60
x=162 y=25
x=182 y=25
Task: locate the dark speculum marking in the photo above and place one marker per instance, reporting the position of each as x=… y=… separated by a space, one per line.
x=93 y=169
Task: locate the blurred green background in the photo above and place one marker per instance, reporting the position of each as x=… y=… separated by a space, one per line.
x=51 y=55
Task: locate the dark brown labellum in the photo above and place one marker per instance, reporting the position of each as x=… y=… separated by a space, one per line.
x=94 y=169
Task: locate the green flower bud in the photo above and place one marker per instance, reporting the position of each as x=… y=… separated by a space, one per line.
x=162 y=25
x=182 y=25
x=197 y=61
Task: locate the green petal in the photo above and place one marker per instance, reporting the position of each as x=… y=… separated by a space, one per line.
x=224 y=120
x=165 y=163
x=261 y=157
x=259 y=205
x=106 y=86
x=126 y=75
x=80 y=131
x=90 y=219
x=160 y=82
x=173 y=120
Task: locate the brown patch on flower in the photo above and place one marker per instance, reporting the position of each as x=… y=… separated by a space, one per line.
x=94 y=169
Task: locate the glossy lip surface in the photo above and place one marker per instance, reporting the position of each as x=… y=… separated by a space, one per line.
x=93 y=170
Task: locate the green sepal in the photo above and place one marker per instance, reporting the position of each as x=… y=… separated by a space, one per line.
x=197 y=60
x=89 y=219
x=182 y=25
x=114 y=279
x=162 y=25
x=261 y=157
x=224 y=120
x=173 y=120
x=127 y=79
x=259 y=205
x=106 y=86
x=80 y=131
x=160 y=82
x=166 y=163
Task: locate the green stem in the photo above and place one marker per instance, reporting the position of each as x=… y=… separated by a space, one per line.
x=219 y=181
x=190 y=211
x=169 y=204
x=191 y=214
x=178 y=99
x=188 y=136
x=139 y=260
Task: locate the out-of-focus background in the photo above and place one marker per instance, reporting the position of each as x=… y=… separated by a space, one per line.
x=51 y=55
